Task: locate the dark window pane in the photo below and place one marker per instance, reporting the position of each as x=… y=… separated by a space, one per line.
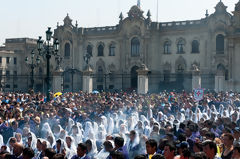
x=135 y=47
x=220 y=44
x=100 y=50
x=67 y=50
x=195 y=46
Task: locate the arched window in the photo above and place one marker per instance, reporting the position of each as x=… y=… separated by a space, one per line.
x=100 y=50
x=100 y=74
x=135 y=46
x=180 y=47
x=167 y=47
x=112 y=50
x=220 y=44
x=195 y=46
x=89 y=50
x=67 y=50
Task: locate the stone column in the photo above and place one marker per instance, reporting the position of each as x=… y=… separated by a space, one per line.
x=87 y=80
x=219 y=83
x=196 y=79
x=57 y=81
x=142 y=79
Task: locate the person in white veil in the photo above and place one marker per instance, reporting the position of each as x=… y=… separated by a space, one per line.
x=61 y=147
x=51 y=140
x=133 y=145
x=110 y=126
x=100 y=139
x=95 y=128
x=76 y=134
x=57 y=130
x=71 y=146
x=46 y=131
x=160 y=116
x=26 y=131
x=139 y=127
x=104 y=121
x=10 y=143
x=88 y=128
x=123 y=131
x=63 y=134
x=31 y=141
x=69 y=126
x=91 y=148
x=180 y=117
x=149 y=113
x=130 y=123
x=104 y=153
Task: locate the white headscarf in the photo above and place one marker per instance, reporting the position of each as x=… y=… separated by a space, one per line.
x=72 y=148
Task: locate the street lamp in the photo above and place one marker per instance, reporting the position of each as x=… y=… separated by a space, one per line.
x=48 y=50
x=32 y=65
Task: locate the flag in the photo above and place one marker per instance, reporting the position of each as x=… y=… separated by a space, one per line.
x=139 y=3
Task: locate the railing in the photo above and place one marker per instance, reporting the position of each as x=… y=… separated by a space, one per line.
x=109 y=82
x=181 y=23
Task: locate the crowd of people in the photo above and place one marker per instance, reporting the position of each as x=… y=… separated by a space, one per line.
x=167 y=125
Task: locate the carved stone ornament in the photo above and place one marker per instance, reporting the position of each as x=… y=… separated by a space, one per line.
x=135 y=12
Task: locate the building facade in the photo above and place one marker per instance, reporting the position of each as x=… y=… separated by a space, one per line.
x=15 y=73
x=168 y=49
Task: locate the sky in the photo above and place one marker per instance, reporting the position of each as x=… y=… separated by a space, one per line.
x=30 y=18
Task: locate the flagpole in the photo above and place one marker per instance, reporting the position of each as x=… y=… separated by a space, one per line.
x=157 y=10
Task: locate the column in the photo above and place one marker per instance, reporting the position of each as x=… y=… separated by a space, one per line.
x=196 y=79
x=87 y=80
x=57 y=81
x=142 y=79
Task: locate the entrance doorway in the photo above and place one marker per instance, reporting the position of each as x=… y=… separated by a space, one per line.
x=134 y=77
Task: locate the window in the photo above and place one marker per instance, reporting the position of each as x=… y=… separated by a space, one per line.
x=67 y=50
x=8 y=86
x=112 y=50
x=7 y=73
x=40 y=71
x=111 y=86
x=180 y=47
x=67 y=77
x=15 y=86
x=100 y=50
x=0 y=59
x=220 y=44
x=195 y=46
x=89 y=50
x=1 y=72
x=8 y=59
x=135 y=46
x=100 y=74
x=167 y=46
x=166 y=77
x=15 y=60
x=111 y=76
x=15 y=75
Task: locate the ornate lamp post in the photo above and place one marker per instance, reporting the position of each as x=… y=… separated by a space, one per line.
x=32 y=65
x=48 y=50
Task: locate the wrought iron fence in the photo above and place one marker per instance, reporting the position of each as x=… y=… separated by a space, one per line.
x=107 y=82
